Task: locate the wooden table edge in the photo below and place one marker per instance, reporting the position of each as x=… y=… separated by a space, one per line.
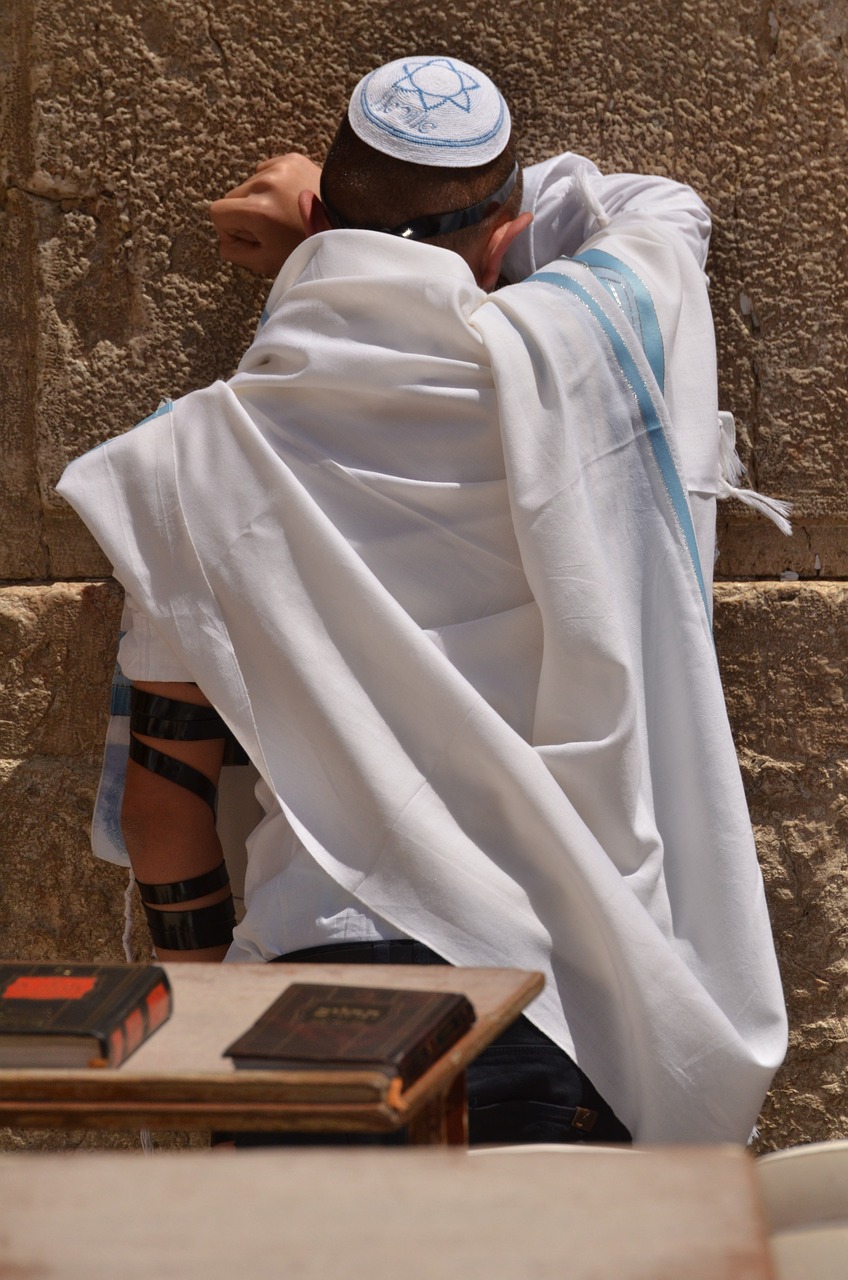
x=110 y=1098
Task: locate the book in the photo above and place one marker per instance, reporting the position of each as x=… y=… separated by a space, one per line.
x=396 y=1031
x=78 y=1015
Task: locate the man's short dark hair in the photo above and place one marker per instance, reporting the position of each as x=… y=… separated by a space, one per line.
x=374 y=190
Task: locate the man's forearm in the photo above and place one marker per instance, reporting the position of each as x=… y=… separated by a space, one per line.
x=169 y=831
x=563 y=220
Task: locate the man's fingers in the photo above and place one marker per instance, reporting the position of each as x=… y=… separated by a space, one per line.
x=238 y=237
x=259 y=222
x=253 y=257
x=234 y=221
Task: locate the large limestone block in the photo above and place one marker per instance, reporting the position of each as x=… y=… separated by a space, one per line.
x=780 y=276
x=782 y=649
x=56 y=902
x=57 y=647
x=752 y=547
x=122 y=119
x=57 y=655
x=22 y=553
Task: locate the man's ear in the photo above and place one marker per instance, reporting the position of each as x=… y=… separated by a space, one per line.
x=496 y=247
x=313 y=215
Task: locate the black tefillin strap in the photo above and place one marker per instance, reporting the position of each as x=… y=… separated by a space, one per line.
x=157 y=717
x=196 y=927
x=185 y=890
x=210 y=926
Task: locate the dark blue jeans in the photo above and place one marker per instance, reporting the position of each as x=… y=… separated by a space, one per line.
x=522 y=1088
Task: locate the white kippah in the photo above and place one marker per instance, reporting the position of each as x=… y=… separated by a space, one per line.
x=436 y=111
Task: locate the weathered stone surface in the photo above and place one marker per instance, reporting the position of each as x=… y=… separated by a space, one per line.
x=57 y=655
x=777 y=273
x=141 y=111
x=57 y=647
x=56 y=902
x=782 y=649
x=22 y=550
x=755 y=548
x=96 y=1140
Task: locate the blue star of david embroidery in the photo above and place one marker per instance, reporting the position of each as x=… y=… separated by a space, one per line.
x=429 y=89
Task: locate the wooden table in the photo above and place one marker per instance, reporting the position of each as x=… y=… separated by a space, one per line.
x=179 y=1080
x=670 y=1214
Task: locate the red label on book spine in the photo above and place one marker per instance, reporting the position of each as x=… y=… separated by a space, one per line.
x=133 y=1031
x=49 y=987
x=158 y=1006
x=117 y=1046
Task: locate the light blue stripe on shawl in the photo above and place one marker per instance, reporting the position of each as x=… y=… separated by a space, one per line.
x=632 y=296
x=653 y=426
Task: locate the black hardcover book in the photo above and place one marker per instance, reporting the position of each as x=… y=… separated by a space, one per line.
x=311 y=1025
x=78 y=1015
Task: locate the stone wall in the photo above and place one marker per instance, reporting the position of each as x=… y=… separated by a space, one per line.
x=782 y=648
x=120 y=119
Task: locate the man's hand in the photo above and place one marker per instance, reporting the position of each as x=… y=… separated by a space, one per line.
x=259 y=223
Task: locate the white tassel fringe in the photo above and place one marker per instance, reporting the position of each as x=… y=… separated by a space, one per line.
x=732 y=471
x=144 y=1134
x=126 y=938
x=582 y=184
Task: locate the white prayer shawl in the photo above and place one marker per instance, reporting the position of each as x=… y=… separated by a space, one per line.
x=475 y=667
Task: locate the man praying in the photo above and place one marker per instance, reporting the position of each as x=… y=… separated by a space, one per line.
x=438 y=557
